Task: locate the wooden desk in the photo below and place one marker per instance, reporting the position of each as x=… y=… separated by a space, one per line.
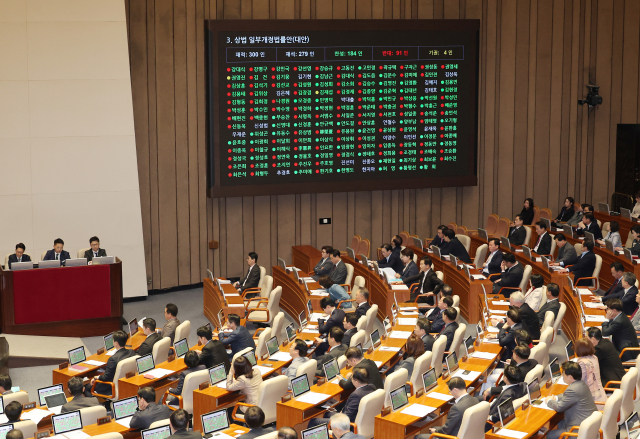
x=128 y=433
x=292 y=413
x=571 y=324
x=305 y=257
x=213 y=301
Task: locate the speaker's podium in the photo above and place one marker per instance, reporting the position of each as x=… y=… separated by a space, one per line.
x=63 y=301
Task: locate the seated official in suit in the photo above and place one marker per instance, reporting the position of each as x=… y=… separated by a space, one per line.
x=169 y=328
x=349 y=323
x=627 y=293
x=254 y=418
x=635 y=244
x=577 y=215
x=179 y=421
x=439 y=241
x=335 y=349
x=622 y=333
x=335 y=317
x=528 y=316
x=362 y=300
x=361 y=382
x=58 y=253
x=13 y=411
x=324 y=266
x=355 y=358
x=243 y=378
x=148 y=411
x=298 y=351
x=513 y=388
x=238 y=339
x=213 y=351
x=535 y=296
x=336 y=292
x=435 y=315
x=422 y=330
x=582 y=266
x=575 y=402
x=19 y=255
x=635 y=317
x=608 y=356
x=543 y=244
x=566 y=250
x=511 y=275
x=427 y=280
x=5 y=384
x=506 y=337
x=119 y=341
x=95 y=251
x=413 y=350
x=615 y=291
x=589 y=224
x=449 y=316
x=409 y=269
x=552 y=304
x=149 y=329
x=252 y=278
x=339 y=270
x=191 y=360
x=519 y=359
x=566 y=213
x=79 y=401
x=390 y=259
x=454 y=247
x=462 y=401
x=613 y=235
x=517 y=232
x=493 y=263
x=340 y=426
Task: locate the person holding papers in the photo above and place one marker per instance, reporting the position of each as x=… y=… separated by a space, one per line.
x=543 y=244
x=244 y=379
x=19 y=255
x=13 y=411
x=409 y=269
x=336 y=292
x=462 y=402
x=335 y=349
x=454 y=247
x=517 y=233
x=355 y=357
x=252 y=279
x=338 y=272
x=513 y=388
x=535 y=293
x=350 y=322
x=58 y=253
x=589 y=224
x=428 y=282
x=213 y=351
x=191 y=361
x=575 y=402
x=298 y=352
x=95 y=251
x=618 y=326
x=169 y=328
x=79 y=401
x=582 y=266
x=149 y=329
x=148 y=411
x=239 y=338
x=552 y=304
x=119 y=342
x=390 y=259
x=324 y=266
x=493 y=264
x=179 y=421
x=566 y=250
x=422 y=331
x=511 y=275
x=362 y=300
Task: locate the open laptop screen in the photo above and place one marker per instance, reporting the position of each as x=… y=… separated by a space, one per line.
x=55 y=400
x=429 y=379
x=251 y=356
x=331 y=369
x=48 y=391
x=157 y=433
x=133 y=327
x=67 y=422
x=291 y=332
x=125 y=407
x=272 y=345
x=108 y=342
x=215 y=421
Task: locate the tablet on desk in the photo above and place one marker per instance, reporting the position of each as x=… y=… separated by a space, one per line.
x=157 y=433
x=533 y=390
x=217 y=374
x=318 y=432
x=48 y=391
x=145 y=364
x=181 y=347
x=429 y=380
x=125 y=407
x=452 y=362
x=21 y=266
x=79 y=262
x=108 y=342
x=251 y=356
x=399 y=398
x=133 y=327
x=272 y=347
x=300 y=385
x=55 y=401
x=76 y=356
x=554 y=371
x=351 y=253
x=213 y=422
x=4 y=429
x=291 y=332
x=375 y=339
x=331 y=369
x=483 y=235
x=67 y=422
x=507 y=412
x=48 y=264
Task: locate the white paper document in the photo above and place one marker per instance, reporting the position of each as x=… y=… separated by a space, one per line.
x=159 y=373
x=236 y=305
x=408 y=308
x=440 y=396
x=55 y=410
x=493 y=329
x=519 y=250
x=308 y=279
x=296 y=268
x=511 y=433
x=378 y=364
x=400 y=334
x=111 y=352
x=500 y=302
x=408 y=322
x=223 y=281
x=409 y=313
x=418 y=410
x=263 y=370
x=585 y=292
x=78 y=434
x=478 y=276
x=317 y=315
x=280 y=356
x=483 y=355
x=497 y=311
x=592 y=318
x=592 y=305
x=125 y=421
x=470 y=376
x=231 y=295
x=313 y=397
x=140 y=322
x=4 y=419
x=222 y=384
x=35 y=415
x=313 y=330
x=319 y=293
x=389 y=348
x=399 y=287
x=94 y=362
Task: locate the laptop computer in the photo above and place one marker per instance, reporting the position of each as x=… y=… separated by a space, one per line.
x=632 y=425
x=108 y=342
x=4 y=429
x=569 y=350
x=417 y=242
x=76 y=356
x=608 y=244
x=300 y=385
x=603 y=207
x=296 y=275
x=467 y=271
x=48 y=264
x=469 y=346
x=302 y=318
x=483 y=235
x=48 y=391
x=125 y=408
x=133 y=327
x=217 y=374
x=505 y=241
x=375 y=338
x=306 y=286
x=436 y=251
x=429 y=380
x=331 y=369
x=625 y=213
x=453 y=260
x=181 y=347
x=589 y=236
x=554 y=371
x=365 y=260
x=452 y=362
x=506 y=411
x=273 y=347
x=157 y=433
x=526 y=251
x=55 y=402
x=282 y=263
x=568 y=230
x=547 y=223
x=479 y=330
x=399 y=398
x=533 y=390
x=627 y=254
x=103 y=260
x=545 y=262
x=309 y=306
x=79 y=262
x=318 y=432
x=359 y=346
x=251 y=356
x=351 y=253
x=213 y=422
x=145 y=364
x=21 y=266
x=291 y=332
x=66 y=422
x=221 y=318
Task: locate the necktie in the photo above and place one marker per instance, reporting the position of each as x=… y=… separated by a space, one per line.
x=96 y=254
x=19 y=259
x=56 y=256
x=539 y=239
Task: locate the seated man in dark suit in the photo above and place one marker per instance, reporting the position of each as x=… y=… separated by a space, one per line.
x=427 y=280
x=449 y=316
x=622 y=333
x=511 y=275
x=454 y=247
x=355 y=358
x=335 y=349
x=422 y=330
x=213 y=351
x=582 y=266
x=148 y=411
x=179 y=421
x=336 y=317
x=543 y=244
x=350 y=322
x=435 y=316
x=324 y=266
x=513 y=388
x=339 y=271
x=95 y=251
x=239 y=338
x=362 y=300
x=615 y=291
x=517 y=232
x=191 y=360
x=628 y=294
x=254 y=418
x=252 y=278
x=607 y=355
x=439 y=241
x=493 y=264
x=171 y=316
x=462 y=402
x=519 y=359
x=58 y=253
x=589 y=224
x=528 y=316
x=19 y=255
x=119 y=341
x=390 y=259
x=149 y=329
x=79 y=401
x=552 y=304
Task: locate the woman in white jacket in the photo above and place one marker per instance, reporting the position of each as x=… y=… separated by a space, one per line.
x=535 y=294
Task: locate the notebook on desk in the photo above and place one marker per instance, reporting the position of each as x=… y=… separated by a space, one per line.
x=103 y=260
x=55 y=402
x=21 y=266
x=48 y=264
x=79 y=262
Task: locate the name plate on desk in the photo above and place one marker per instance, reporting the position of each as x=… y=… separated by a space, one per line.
x=63 y=365
x=203 y=386
x=385 y=411
x=525 y=405
x=445 y=374
x=100 y=351
x=130 y=374
x=321 y=381
x=171 y=358
x=104 y=420
x=29 y=405
x=286 y=398
x=419 y=393
x=41 y=434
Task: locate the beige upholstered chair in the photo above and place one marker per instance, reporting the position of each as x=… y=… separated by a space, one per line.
x=183 y=330
x=261 y=343
x=263 y=273
x=503 y=227
x=160 y=350
x=440 y=275
x=534 y=373
x=481 y=256
x=81 y=255
x=465 y=240
x=362 y=324
x=358 y=283
x=266 y=311
x=270 y=392
x=157 y=424
x=28 y=428
x=122 y=369
x=589 y=428
x=538 y=351
x=421 y=365
x=371 y=319
x=22 y=397
x=546 y=337
x=594 y=277
x=393 y=381
x=359 y=337
x=492 y=224
x=609 y=425
x=349 y=275
x=438 y=353
x=309 y=368
x=272 y=435
x=43 y=254
x=191 y=382
x=258 y=293
x=558 y=320
x=628 y=387
x=277 y=325
x=473 y=418
x=370 y=406
x=90 y=415
x=342 y=361
x=458 y=336
x=456 y=301
x=549 y=317
x=527 y=236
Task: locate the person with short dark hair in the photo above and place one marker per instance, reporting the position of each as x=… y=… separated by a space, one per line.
x=409 y=268
x=566 y=213
x=613 y=235
x=397 y=242
x=287 y=433
x=543 y=244
x=171 y=316
x=119 y=342
x=298 y=351
x=355 y=357
x=152 y=337
x=338 y=272
x=14 y=434
x=95 y=251
x=350 y=329
x=19 y=255
x=513 y=388
x=447 y=290
x=575 y=402
x=324 y=266
x=517 y=232
x=616 y=290
x=179 y=421
x=449 y=317
x=635 y=244
x=362 y=302
x=254 y=418
x=57 y=253
x=552 y=304
x=439 y=241
x=589 y=224
x=336 y=292
x=335 y=349
x=213 y=352
x=454 y=247
x=13 y=411
x=390 y=259
x=586 y=358
x=427 y=283
x=252 y=278
x=618 y=326
x=79 y=401
x=566 y=250
x=493 y=264
x=519 y=359
x=244 y=379
x=628 y=294
x=191 y=360
x=506 y=336
x=435 y=316
x=511 y=276
x=607 y=355
x=462 y=401
x=239 y=338
x=5 y=384
x=422 y=330
x=148 y=411
x=582 y=266
x=335 y=319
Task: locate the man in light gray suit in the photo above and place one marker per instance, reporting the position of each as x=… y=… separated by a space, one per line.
x=576 y=402
x=566 y=250
x=324 y=266
x=339 y=271
x=79 y=401
x=341 y=427
x=169 y=328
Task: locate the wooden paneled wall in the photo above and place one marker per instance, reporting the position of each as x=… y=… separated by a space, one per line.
x=536 y=56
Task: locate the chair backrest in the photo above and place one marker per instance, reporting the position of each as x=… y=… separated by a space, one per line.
x=90 y=415
x=22 y=397
x=578 y=247
x=546 y=337
x=628 y=387
x=606 y=228
x=371 y=319
x=503 y=227
x=440 y=275
x=548 y=320
x=457 y=308
x=471 y=420
x=342 y=361
x=192 y=382
x=517 y=403
x=599 y=224
x=183 y=330
x=267 y=287
x=273 y=305
x=365 y=248
x=160 y=423
x=524 y=283
x=458 y=336
x=536 y=214
x=422 y=364
x=261 y=344
x=43 y=254
x=596 y=270
x=370 y=406
x=263 y=273
x=609 y=425
x=492 y=224
x=527 y=236
x=465 y=240
x=239 y=353
x=553 y=248
x=349 y=278
x=122 y=369
x=81 y=255
x=362 y=324
x=309 y=368
x=359 y=337
x=456 y=301
x=271 y=392
x=393 y=381
x=590 y=427
x=545 y=213
x=462 y=230
x=481 y=256
x=452 y=226
x=406 y=238
x=160 y=350
x=438 y=352
x=537 y=353
x=358 y=283
x=28 y=428
x=277 y=325
x=355 y=242
x=534 y=373
x=558 y=320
